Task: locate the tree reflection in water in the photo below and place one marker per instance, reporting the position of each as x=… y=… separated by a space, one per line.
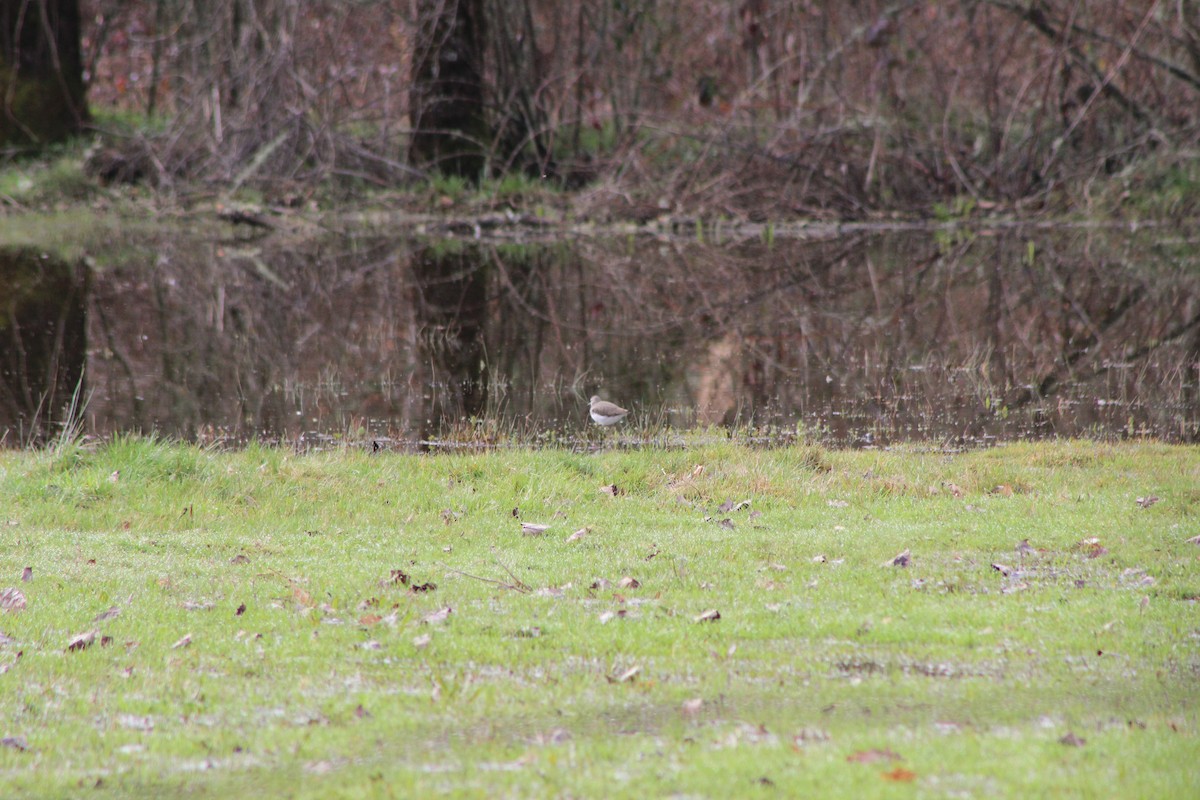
x=860 y=339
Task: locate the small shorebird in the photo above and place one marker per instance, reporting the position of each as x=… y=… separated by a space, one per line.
x=604 y=412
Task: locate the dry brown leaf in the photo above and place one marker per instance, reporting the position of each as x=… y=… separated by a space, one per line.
x=711 y=615
x=183 y=642
x=12 y=599
x=871 y=756
x=437 y=617
x=628 y=675
x=899 y=774
x=369 y=619
x=112 y=613
x=85 y=639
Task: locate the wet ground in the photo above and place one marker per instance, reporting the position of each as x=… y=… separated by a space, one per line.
x=960 y=337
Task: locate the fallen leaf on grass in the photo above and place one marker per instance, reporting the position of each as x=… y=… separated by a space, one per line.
x=626 y=676
x=135 y=723
x=871 y=756
x=1146 y=502
x=112 y=613
x=901 y=560
x=83 y=640
x=1071 y=740
x=183 y=642
x=899 y=774
x=12 y=599
x=711 y=615
x=1091 y=547
x=579 y=534
x=369 y=619
x=437 y=617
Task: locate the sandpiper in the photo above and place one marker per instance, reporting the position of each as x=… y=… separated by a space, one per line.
x=604 y=412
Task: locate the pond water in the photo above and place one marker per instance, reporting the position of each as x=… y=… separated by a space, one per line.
x=959 y=337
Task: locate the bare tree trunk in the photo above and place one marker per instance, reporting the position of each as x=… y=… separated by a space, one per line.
x=450 y=129
x=41 y=72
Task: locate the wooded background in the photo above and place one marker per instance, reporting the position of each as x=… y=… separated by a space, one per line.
x=794 y=106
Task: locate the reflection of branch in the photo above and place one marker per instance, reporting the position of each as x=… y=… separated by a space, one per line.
x=1050 y=381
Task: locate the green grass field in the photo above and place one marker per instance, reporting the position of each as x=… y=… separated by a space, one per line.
x=354 y=625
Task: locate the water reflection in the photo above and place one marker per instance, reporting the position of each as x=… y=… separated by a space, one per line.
x=42 y=343
x=863 y=339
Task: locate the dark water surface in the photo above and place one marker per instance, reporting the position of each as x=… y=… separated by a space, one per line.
x=956 y=337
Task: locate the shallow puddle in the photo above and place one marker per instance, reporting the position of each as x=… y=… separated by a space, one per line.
x=863 y=339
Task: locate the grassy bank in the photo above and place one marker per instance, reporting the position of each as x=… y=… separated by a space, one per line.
x=348 y=624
